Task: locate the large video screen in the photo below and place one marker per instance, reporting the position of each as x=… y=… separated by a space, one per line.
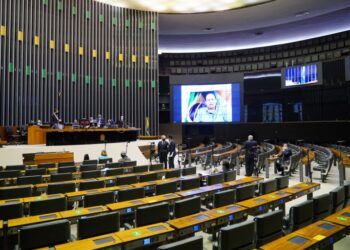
x=206 y=103
x=301 y=75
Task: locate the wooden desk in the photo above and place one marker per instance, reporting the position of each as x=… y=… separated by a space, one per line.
x=302 y=189
x=78 y=195
x=145 y=236
x=341 y=218
x=203 y=190
x=128 y=207
x=68 y=135
x=226 y=214
x=293 y=241
x=47 y=157
x=98 y=242
x=228 y=153
x=41 y=197
x=244 y=181
x=265 y=202
x=306 y=160
x=326 y=233
x=14 y=224
x=76 y=213
x=10 y=201
x=193 y=223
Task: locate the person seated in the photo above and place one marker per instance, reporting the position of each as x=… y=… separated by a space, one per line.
x=39 y=123
x=103 y=155
x=86 y=157
x=283 y=158
x=124 y=157
x=92 y=122
x=75 y=124
x=121 y=123
x=110 y=124
x=100 y=121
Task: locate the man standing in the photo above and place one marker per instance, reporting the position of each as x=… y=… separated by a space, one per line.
x=172 y=151
x=163 y=148
x=250 y=147
x=55 y=120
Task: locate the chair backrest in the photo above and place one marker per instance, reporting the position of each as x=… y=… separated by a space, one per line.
x=88 y=167
x=70 y=169
x=50 y=205
x=90 y=162
x=131 y=194
x=25 y=180
x=282 y=182
x=105 y=160
x=114 y=171
x=230 y=175
x=190 y=183
x=166 y=188
x=97 y=199
x=151 y=214
x=189 y=171
x=46 y=165
x=10 y=173
x=347 y=194
x=66 y=164
x=156 y=167
x=60 y=188
x=337 y=198
x=86 y=185
x=15 y=167
x=140 y=169
x=301 y=214
x=237 y=236
x=15 y=192
x=268 y=227
x=128 y=164
x=126 y=180
x=215 y=179
x=11 y=210
x=322 y=206
x=61 y=177
x=267 y=186
x=90 y=226
x=187 y=206
x=148 y=177
x=44 y=234
x=194 y=243
x=35 y=171
x=245 y=192
x=91 y=174
x=113 y=165
x=173 y=173
x=224 y=198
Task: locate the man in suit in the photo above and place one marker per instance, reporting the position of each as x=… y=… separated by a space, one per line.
x=172 y=151
x=163 y=148
x=250 y=147
x=55 y=120
x=100 y=121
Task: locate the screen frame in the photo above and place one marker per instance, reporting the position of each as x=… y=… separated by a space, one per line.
x=230 y=82
x=319 y=76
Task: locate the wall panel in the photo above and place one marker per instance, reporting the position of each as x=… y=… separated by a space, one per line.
x=77 y=55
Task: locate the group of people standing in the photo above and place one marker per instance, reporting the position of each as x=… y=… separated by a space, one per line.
x=167 y=149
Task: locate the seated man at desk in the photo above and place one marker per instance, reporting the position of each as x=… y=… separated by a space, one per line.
x=283 y=158
x=124 y=157
x=100 y=121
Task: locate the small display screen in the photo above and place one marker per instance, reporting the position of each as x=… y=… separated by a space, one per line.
x=50 y=216
x=200 y=217
x=298 y=240
x=104 y=240
x=346 y=214
x=11 y=201
x=326 y=226
x=136 y=202
x=147 y=241
x=233 y=208
x=157 y=228
x=196 y=228
x=129 y=210
x=230 y=217
x=260 y=200
x=95 y=209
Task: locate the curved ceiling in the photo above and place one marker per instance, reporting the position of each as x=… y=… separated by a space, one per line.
x=272 y=23
x=183 y=6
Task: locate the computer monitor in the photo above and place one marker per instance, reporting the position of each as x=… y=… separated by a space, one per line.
x=193 y=243
x=215 y=179
x=152 y=214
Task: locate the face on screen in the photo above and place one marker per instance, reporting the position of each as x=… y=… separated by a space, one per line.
x=206 y=103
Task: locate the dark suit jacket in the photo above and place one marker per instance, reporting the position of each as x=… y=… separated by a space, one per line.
x=250 y=147
x=54 y=119
x=163 y=147
x=172 y=148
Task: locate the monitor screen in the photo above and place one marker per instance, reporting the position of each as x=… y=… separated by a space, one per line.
x=302 y=75
x=206 y=103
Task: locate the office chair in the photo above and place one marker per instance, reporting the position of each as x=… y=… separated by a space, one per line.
x=268 y=227
x=166 y=188
x=60 y=188
x=322 y=206
x=91 y=200
x=299 y=216
x=50 y=205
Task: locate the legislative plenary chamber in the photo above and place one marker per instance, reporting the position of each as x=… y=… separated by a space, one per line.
x=175 y=125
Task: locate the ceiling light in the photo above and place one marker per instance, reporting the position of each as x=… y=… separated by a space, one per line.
x=183 y=6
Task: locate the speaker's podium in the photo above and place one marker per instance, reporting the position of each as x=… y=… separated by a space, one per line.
x=47 y=157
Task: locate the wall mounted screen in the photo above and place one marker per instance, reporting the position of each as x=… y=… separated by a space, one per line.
x=206 y=103
x=302 y=75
